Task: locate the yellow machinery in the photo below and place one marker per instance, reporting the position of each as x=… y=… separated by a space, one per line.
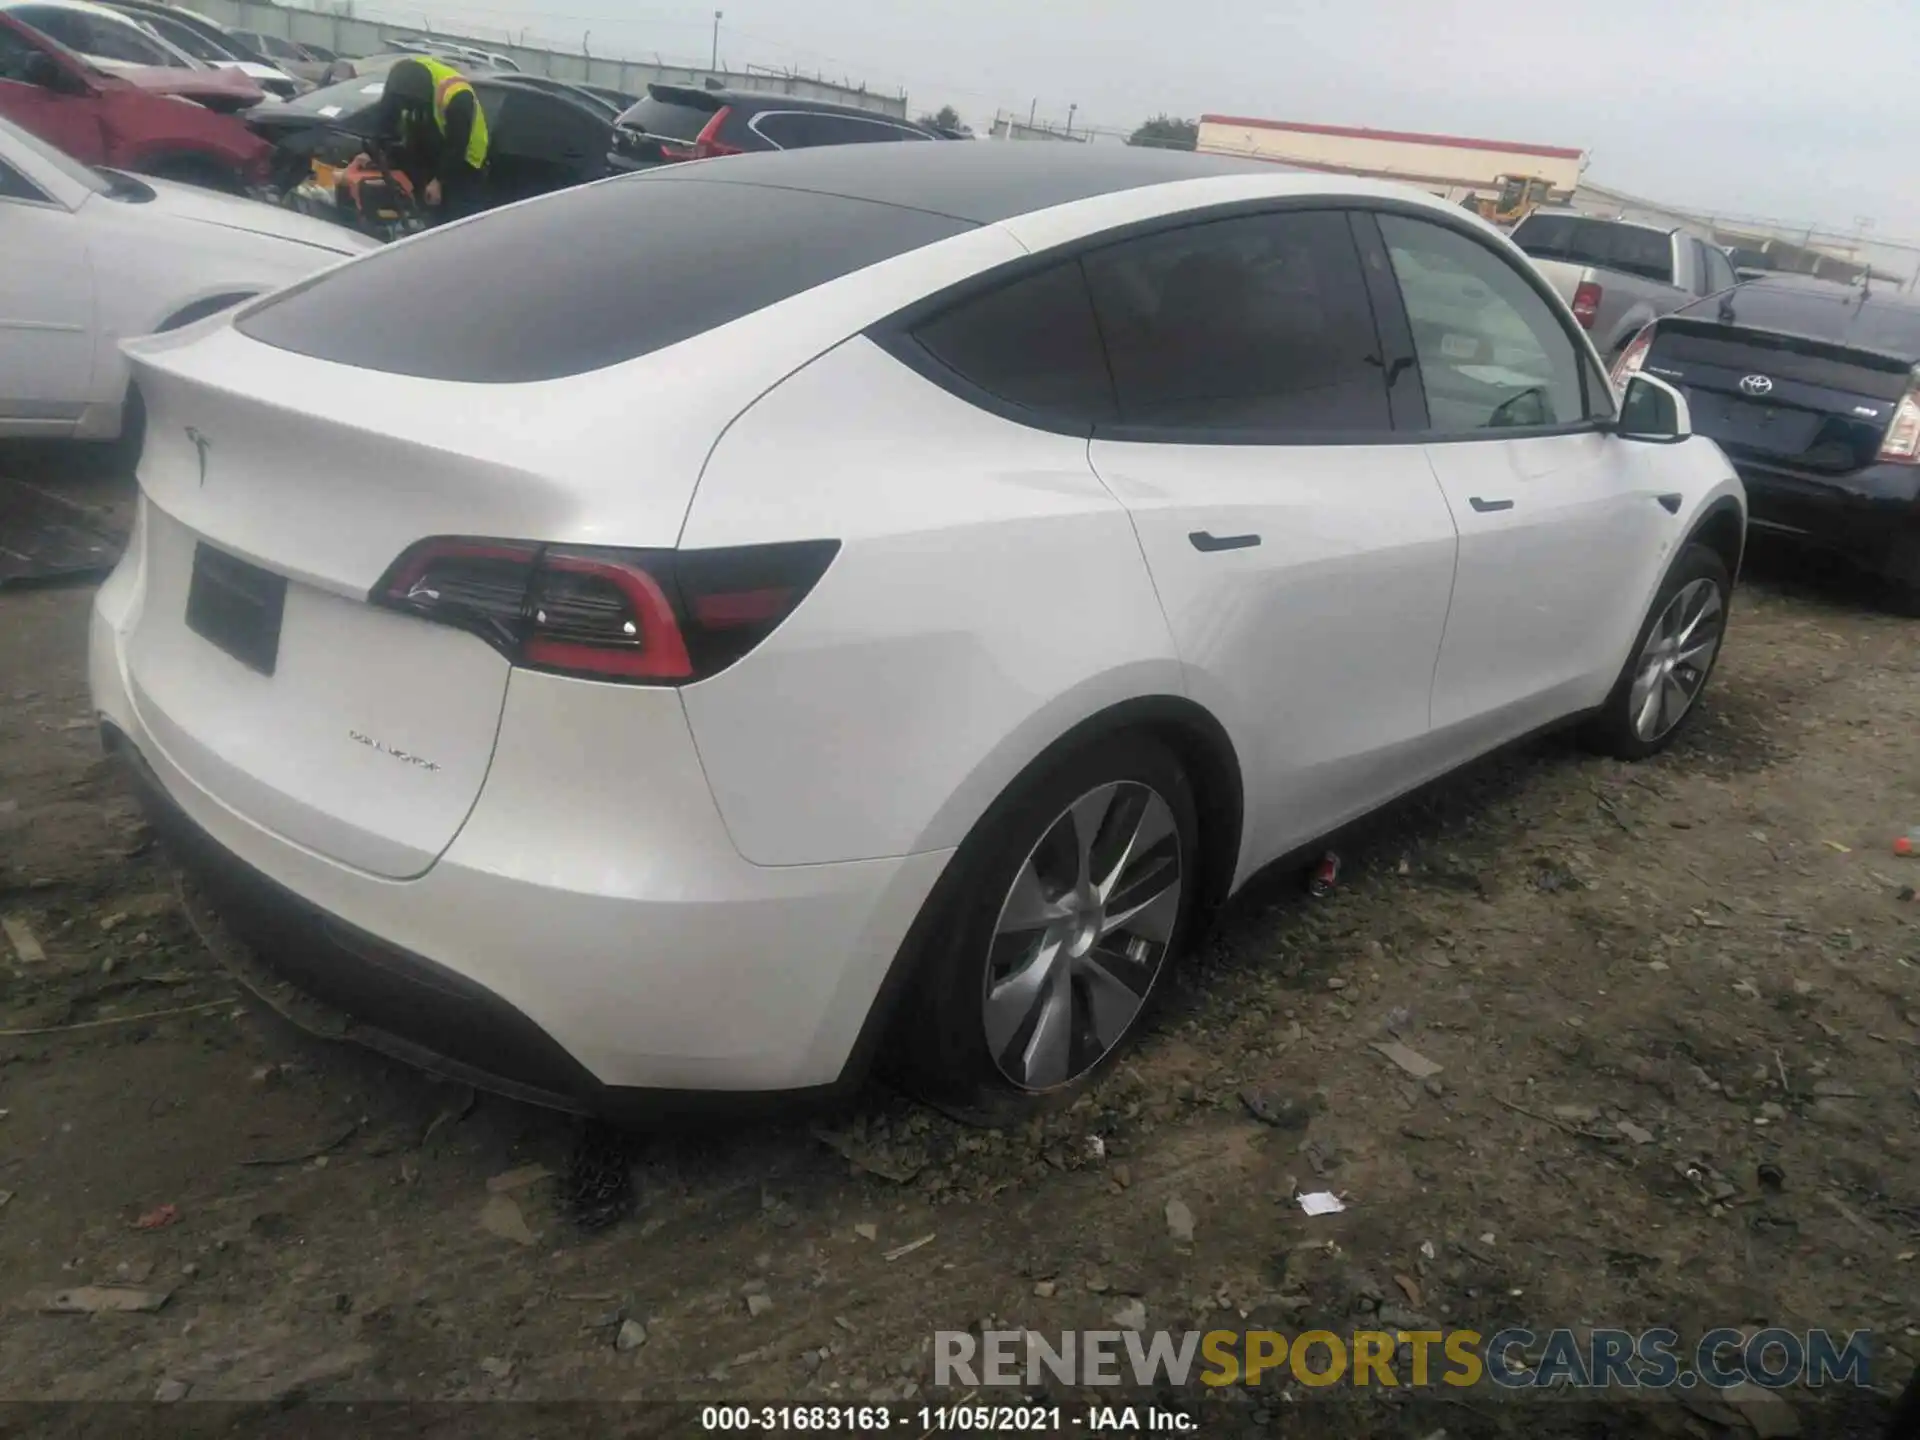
x=1518 y=197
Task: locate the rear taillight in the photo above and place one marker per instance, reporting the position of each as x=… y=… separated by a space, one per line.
x=1586 y=303
x=651 y=617
x=1632 y=358
x=1901 y=446
x=707 y=144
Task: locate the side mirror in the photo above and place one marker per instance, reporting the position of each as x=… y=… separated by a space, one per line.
x=47 y=73
x=1653 y=411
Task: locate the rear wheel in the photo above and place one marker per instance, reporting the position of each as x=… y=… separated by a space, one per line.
x=1070 y=905
x=1673 y=657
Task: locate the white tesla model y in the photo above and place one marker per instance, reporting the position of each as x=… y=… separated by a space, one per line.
x=699 y=631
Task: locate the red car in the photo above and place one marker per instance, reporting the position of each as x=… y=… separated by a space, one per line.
x=102 y=119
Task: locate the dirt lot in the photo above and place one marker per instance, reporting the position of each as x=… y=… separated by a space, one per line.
x=1643 y=985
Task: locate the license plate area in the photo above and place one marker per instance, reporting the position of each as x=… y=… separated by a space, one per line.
x=1778 y=430
x=236 y=606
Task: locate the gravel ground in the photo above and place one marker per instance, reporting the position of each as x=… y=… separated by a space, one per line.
x=1674 y=1008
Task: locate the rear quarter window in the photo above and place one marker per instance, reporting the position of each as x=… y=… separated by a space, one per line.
x=1031 y=344
x=648 y=263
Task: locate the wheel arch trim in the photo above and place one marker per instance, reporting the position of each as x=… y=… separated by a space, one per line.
x=1206 y=753
x=1721 y=516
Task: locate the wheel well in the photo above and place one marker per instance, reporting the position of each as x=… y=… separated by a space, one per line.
x=1205 y=752
x=1724 y=531
x=200 y=310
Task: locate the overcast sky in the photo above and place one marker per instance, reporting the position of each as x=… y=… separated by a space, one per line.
x=1764 y=108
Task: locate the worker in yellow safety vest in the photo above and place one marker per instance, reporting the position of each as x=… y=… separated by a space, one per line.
x=431 y=118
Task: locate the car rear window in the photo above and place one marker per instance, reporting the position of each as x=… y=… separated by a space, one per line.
x=644 y=268
x=1818 y=312
x=1633 y=249
x=653 y=116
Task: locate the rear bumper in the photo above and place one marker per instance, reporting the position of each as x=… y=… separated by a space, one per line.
x=1871 y=516
x=590 y=939
x=418 y=1011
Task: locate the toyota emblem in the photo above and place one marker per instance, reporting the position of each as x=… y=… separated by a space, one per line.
x=1755 y=385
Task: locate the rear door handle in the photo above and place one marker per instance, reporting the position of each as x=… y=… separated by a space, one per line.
x=1486 y=507
x=1207 y=544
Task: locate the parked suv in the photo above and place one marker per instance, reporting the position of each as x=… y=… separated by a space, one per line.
x=678 y=122
x=102 y=119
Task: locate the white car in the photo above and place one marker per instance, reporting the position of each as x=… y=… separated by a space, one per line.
x=697 y=631
x=106 y=38
x=196 y=36
x=94 y=257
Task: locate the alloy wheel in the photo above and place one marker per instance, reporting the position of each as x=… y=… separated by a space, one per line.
x=1673 y=664
x=1082 y=935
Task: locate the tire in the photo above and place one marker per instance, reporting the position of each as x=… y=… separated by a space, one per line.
x=1620 y=727
x=990 y=1063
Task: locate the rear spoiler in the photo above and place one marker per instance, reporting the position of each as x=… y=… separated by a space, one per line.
x=1786 y=340
x=685 y=95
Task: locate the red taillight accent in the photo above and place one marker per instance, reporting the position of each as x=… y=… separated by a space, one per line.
x=1901 y=444
x=741 y=607
x=1632 y=358
x=418 y=563
x=707 y=144
x=1586 y=303
x=579 y=632
x=644 y=616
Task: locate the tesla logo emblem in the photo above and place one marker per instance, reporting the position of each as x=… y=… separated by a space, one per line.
x=1755 y=385
x=201 y=444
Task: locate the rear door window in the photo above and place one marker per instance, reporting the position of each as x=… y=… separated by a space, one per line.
x=1247 y=328
x=547 y=127
x=1031 y=344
